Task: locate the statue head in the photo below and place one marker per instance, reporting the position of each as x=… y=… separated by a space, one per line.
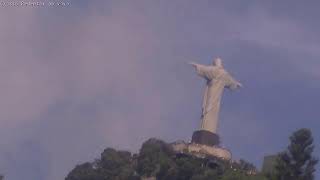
x=217 y=62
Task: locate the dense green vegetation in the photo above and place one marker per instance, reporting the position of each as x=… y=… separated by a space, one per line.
x=157 y=159
x=297 y=162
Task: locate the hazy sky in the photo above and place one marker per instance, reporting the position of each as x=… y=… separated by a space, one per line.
x=103 y=73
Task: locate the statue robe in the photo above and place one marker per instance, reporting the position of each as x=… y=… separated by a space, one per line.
x=217 y=79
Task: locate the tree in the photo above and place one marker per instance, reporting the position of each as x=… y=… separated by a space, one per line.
x=297 y=162
x=84 y=172
x=240 y=175
x=116 y=165
x=155 y=159
x=245 y=167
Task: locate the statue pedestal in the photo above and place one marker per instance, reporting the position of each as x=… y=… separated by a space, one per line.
x=204 y=137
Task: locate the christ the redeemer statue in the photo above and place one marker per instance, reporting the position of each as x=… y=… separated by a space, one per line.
x=217 y=79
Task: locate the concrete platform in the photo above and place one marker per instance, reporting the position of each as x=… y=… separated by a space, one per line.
x=201 y=151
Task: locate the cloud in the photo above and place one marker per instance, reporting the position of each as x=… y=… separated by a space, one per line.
x=287 y=34
x=77 y=80
x=53 y=81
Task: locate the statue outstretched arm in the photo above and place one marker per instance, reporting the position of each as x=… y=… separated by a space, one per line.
x=232 y=84
x=202 y=70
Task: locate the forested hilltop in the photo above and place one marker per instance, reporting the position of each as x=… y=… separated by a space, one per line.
x=157 y=161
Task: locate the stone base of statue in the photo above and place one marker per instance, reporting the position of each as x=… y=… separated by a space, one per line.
x=203 y=144
x=201 y=150
x=205 y=138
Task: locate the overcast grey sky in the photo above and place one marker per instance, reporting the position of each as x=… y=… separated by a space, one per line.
x=105 y=73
